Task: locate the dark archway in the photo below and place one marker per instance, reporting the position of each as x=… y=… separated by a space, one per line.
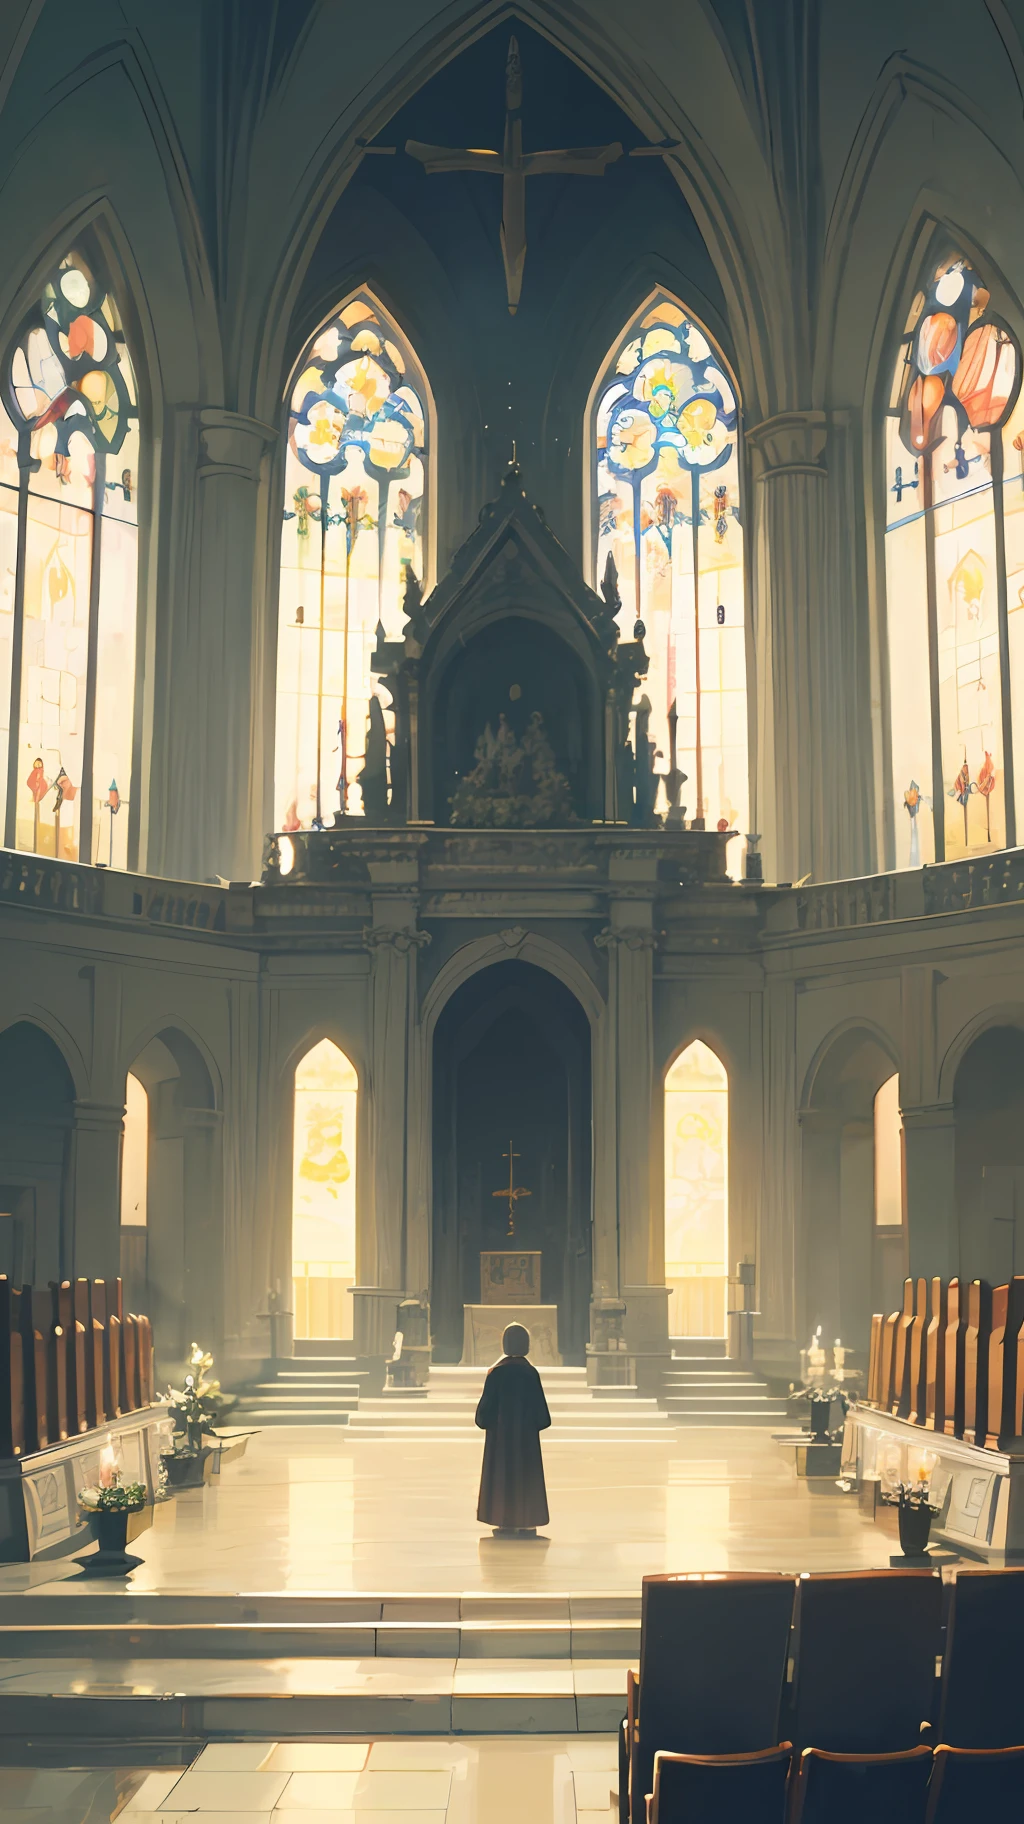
x=37 y=1107
x=512 y=1060
x=988 y=1096
x=513 y=668
x=853 y=1263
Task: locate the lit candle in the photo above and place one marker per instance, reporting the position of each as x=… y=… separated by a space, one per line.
x=108 y=1472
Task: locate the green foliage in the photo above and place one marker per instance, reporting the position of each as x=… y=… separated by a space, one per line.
x=515 y=785
x=120 y=1497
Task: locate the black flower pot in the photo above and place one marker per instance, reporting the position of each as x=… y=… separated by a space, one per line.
x=185 y=1470
x=821 y=1412
x=915 y=1526
x=112 y=1529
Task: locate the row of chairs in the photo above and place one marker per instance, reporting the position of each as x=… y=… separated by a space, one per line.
x=917 y=1786
x=733 y=1663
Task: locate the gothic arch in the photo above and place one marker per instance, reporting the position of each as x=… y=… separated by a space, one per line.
x=526 y=947
x=855 y=1023
x=608 y=57
x=34 y=1015
x=190 y=1051
x=1004 y=1013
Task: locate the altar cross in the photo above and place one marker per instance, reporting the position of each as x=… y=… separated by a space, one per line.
x=512 y=1191
x=515 y=166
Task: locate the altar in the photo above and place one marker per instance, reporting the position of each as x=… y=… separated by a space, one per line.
x=510 y=1288
x=483 y=1326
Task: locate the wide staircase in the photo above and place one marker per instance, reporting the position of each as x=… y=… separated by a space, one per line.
x=445 y=1408
x=712 y=1389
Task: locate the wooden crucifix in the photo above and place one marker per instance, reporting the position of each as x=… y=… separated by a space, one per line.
x=515 y=166
x=512 y=1191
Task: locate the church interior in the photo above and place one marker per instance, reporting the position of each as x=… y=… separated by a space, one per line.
x=511 y=669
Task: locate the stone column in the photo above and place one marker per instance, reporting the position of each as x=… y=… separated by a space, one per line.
x=929 y=1135
x=205 y=787
x=203 y=1214
x=393 y=950
x=630 y=948
x=797 y=799
x=95 y=1241
x=776 y=1250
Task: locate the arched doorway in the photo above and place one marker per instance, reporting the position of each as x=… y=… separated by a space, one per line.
x=988 y=1096
x=324 y=1191
x=172 y=1249
x=854 y=1236
x=37 y=1097
x=511 y=1062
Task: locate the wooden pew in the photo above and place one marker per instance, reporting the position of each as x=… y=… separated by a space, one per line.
x=953 y=1365
x=976 y=1340
x=917 y=1366
x=935 y=1360
x=900 y=1404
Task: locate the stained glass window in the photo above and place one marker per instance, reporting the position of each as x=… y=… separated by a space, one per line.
x=354 y=520
x=135 y=1154
x=324 y=1191
x=954 y=432
x=696 y=1191
x=667 y=509
x=69 y=468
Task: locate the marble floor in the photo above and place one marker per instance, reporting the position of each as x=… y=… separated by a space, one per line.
x=313 y=1509
x=489 y=1780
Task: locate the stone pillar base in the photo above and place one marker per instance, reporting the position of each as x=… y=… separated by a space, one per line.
x=647 y=1333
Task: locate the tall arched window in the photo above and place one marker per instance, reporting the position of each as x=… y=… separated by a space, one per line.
x=954 y=572
x=354 y=521
x=69 y=469
x=664 y=474
x=697 y=1191
x=324 y=1191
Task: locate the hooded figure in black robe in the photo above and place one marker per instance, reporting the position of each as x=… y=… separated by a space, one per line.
x=513 y=1412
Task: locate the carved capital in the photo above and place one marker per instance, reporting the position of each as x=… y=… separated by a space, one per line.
x=231 y=444
x=791 y=443
x=395 y=937
x=628 y=937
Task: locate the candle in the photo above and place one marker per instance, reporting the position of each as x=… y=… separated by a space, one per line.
x=108 y=1470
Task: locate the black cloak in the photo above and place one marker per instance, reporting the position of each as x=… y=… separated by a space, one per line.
x=513 y=1412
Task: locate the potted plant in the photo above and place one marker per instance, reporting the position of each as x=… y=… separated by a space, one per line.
x=185 y=1464
x=915 y=1512
x=107 y=1505
x=819 y=1401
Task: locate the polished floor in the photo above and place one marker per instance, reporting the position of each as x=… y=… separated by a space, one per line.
x=483 y=1781
x=313 y=1509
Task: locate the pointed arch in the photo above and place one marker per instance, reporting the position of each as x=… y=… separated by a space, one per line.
x=663 y=505
x=355 y=538
x=324 y=1165
x=697 y=1190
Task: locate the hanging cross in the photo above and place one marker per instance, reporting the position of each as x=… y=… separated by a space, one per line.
x=513 y=1191
x=515 y=166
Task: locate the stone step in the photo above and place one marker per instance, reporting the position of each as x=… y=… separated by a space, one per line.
x=290 y=1415
x=175 y=1701
x=86 y=1602
x=443 y=1639
x=767 y=1416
